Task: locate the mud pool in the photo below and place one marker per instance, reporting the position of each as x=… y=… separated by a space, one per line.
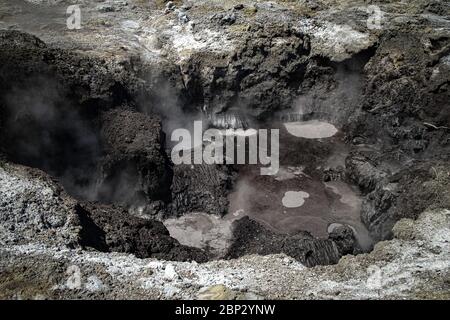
x=300 y=197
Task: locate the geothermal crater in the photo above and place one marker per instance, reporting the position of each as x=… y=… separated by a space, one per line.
x=88 y=178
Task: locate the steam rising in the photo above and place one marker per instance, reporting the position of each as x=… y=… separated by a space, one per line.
x=43 y=129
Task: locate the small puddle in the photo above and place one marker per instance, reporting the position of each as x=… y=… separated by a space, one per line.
x=312 y=129
x=294 y=199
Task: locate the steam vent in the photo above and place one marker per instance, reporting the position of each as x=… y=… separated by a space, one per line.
x=234 y=149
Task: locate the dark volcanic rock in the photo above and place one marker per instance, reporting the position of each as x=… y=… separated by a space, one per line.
x=363 y=171
x=53 y=116
x=405 y=116
x=58 y=112
x=87 y=80
x=252 y=238
x=142 y=237
x=201 y=188
x=345 y=240
x=49 y=105
x=406 y=195
x=261 y=76
x=407 y=87
x=135 y=167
